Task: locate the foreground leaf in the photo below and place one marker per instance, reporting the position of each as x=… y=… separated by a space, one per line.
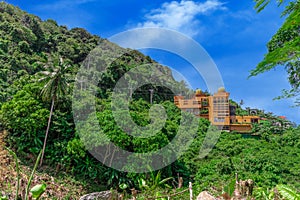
x=38 y=190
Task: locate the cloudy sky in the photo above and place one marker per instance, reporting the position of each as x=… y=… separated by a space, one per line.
x=231 y=32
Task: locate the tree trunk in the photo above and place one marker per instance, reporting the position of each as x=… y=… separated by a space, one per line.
x=47 y=131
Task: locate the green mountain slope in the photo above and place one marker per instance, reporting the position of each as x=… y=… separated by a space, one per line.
x=27 y=44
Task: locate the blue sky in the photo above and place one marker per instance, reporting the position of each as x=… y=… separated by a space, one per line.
x=232 y=33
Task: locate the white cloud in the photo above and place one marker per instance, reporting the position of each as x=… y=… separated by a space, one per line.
x=181 y=16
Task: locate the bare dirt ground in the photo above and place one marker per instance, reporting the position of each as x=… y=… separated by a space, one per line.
x=56 y=188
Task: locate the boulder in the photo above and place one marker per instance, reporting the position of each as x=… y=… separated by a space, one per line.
x=104 y=195
x=205 y=196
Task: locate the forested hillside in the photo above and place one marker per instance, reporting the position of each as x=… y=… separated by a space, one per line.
x=33 y=51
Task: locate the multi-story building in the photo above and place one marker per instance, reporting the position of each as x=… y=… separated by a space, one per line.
x=217 y=109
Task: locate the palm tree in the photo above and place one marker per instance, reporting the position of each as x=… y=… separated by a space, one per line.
x=56 y=81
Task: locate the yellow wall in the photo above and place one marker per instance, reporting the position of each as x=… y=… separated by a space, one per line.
x=246 y=119
x=240 y=127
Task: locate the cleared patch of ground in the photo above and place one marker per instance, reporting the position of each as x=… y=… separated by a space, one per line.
x=57 y=188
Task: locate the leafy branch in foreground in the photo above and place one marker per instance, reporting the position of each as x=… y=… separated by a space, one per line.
x=288 y=192
x=284 y=47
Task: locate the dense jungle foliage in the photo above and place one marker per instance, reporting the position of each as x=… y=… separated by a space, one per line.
x=31 y=49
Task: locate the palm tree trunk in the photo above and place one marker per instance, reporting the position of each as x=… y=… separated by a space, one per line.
x=47 y=131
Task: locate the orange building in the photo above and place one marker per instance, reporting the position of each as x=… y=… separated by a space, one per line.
x=217 y=110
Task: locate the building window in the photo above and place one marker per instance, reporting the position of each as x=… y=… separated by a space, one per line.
x=196 y=102
x=219 y=119
x=190 y=110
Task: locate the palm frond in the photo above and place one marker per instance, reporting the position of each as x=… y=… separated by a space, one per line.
x=261 y=4
x=288 y=192
x=56 y=80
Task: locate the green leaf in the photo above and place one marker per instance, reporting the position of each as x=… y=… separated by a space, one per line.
x=38 y=190
x=261 y=4
x=143 y=183
x=123 y=186
x=229 y=188
x=4 y=198
x=165 y=180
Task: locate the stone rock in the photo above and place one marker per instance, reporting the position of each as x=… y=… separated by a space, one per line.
x=104 y=195
x=205 y=196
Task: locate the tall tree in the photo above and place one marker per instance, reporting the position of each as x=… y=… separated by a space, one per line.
x=56 y=79
x=284 y=47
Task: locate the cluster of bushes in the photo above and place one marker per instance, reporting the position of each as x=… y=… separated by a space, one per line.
x=267 y=160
